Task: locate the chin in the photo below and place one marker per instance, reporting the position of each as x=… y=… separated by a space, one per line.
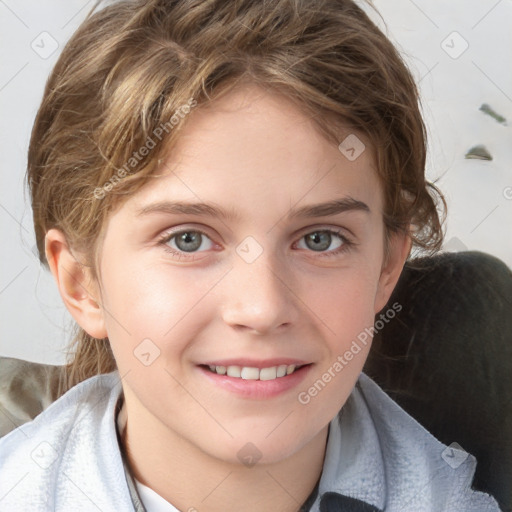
x=259 y=449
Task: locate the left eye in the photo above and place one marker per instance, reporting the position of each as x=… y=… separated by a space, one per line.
x=320 y=241
x=189 y=241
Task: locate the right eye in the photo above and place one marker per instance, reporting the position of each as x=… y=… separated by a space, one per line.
x=185 y=242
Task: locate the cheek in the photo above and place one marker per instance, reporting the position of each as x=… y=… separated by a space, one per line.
x=154 y=302
x=347 y=319
x=343 y=301
x=344 y=307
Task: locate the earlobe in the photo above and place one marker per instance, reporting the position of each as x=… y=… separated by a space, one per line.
x=399 y=249
x=78 y=290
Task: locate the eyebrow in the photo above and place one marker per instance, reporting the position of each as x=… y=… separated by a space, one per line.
x=329 y=208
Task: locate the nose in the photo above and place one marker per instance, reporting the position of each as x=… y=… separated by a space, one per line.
x=258 y=297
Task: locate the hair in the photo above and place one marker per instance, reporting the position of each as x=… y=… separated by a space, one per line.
x=132 y=71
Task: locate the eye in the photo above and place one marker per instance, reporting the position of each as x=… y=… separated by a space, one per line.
x=324 y=240
x=187 y=241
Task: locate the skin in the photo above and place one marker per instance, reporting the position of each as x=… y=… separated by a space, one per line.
x=253 y=153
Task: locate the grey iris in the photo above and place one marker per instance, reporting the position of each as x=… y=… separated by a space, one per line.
x=319 y=240
x=189 y=241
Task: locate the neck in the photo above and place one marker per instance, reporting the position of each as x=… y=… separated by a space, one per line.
x=190 y=479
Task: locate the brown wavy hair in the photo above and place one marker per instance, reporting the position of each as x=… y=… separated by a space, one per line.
x=133 y=65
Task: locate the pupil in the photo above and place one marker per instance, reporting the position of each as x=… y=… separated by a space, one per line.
x=189 y=241
x=322 y=238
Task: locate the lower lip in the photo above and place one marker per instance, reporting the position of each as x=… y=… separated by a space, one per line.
x=258 y=389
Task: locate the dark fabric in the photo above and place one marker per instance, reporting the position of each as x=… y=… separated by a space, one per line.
x=446 y=358
x=334 y=502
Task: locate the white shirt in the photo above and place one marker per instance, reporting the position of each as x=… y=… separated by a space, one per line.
x=152 y=501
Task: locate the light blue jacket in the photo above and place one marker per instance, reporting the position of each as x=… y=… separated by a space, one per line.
x=378 y=458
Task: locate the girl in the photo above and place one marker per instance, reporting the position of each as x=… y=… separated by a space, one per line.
x=226 y=194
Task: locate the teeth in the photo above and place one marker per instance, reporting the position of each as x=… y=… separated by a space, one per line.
x=249 y=373
x=268 y=373
x=281 y=370
x=234 y=371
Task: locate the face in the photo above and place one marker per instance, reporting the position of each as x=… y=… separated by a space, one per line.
x=234 y=284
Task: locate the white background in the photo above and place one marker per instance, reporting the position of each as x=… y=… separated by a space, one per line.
x=454 y=83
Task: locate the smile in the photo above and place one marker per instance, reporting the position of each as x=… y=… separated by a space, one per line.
x=257 y=380
x=250 y=373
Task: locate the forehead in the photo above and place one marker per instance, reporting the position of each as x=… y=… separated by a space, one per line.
x=250 y=148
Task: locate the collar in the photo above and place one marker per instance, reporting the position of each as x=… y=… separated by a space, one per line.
x=120 y=418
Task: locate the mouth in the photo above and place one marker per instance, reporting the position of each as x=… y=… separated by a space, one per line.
x=256 y=379
x=254 y=373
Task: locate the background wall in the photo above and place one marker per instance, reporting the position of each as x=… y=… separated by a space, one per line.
x=459 y=52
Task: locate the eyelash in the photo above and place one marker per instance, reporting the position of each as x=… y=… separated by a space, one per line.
x=345 y=247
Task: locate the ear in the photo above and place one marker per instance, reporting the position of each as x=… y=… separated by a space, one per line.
x=398 y=250
x=78 y=290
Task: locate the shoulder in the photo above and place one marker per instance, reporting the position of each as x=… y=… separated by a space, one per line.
x=420 y=471
x=381 y=457
x=55 y=461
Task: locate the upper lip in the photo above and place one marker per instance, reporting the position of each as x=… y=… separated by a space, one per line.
x=257 y=363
